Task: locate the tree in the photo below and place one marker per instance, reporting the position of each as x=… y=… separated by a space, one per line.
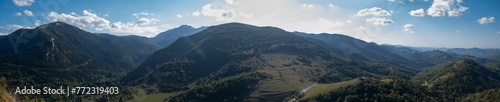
x=3 y=86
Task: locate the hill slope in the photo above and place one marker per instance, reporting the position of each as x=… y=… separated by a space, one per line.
x=490 y=95
x=137 y=47
x=57 y=54
x=369 y=90
x=283 y=61
x=168 y=37
x=354 y=48
x=459 y=78
x=432 y=58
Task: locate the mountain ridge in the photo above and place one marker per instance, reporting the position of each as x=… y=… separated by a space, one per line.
x=57 y=54
x=278 y=57
x=460 y=77
x=167 y=37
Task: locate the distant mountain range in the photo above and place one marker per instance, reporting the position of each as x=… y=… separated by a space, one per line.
x=241 y=62
x=268 y=55
x=489 y=53
x=359 y=49
x=166 y=38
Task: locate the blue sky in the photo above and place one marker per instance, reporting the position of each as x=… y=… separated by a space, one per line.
x=422 y=23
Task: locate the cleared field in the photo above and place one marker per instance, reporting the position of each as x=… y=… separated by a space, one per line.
x=387 y=80
x=324 y=88
x=287 y=74
x=155 y=97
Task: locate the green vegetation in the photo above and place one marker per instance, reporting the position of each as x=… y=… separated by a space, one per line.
x=154 y=97
x=459 y=78
x=236 y=62
x=4 y=97
x=364 y=50
x=291 y=62
x=370 y=90
x=491 y=95
x=229 y=89
x=58 y=54
x=319 y=89
x=166 y=38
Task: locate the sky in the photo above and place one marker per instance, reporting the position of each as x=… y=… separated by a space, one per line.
x=419 y=23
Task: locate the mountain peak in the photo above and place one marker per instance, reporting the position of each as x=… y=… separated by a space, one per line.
x=466 y=62
x=234 y=25
x=166 y=38
x=57 y=25
x=462 y=77
x=185 y=27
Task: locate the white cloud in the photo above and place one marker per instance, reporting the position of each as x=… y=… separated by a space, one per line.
x=374 y=11
x=132 y=28
x=21 y=3
x=37 y=22
x=292 y=15
x=18 y=14
x=73 y=13
x=418 y=12
x=218 y=14
x=196 y=13
x=242 y=14
x=146 y=21
x=379 y=21
x=457 y=12
x=399 y=1
x=143 y=13
x=486 y=20
x=439 y=8
x=3 y=33
x=332 y=6
x=28 y=13
x=307 y=5
x=408 y=28
x=498 y=32
x=178 y=16
x=13 y=27
x=320 y=25
x=361 y=28
x=329 y=22
x=90 y=20
x=348 y=21
x=230 y=2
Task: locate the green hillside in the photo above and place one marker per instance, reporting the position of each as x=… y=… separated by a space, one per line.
x=289 y=61
x=59 y=54
x=459 y=78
